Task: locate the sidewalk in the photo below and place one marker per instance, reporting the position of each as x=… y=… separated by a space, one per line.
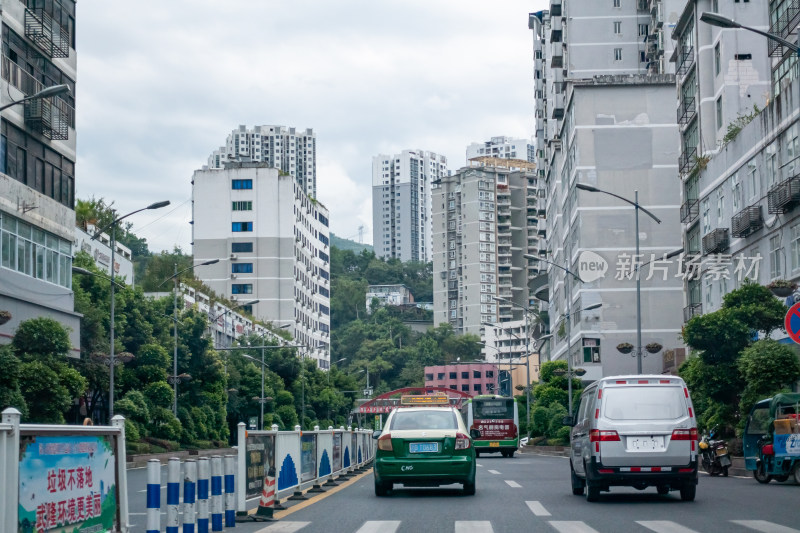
x=736 y=469
x=140 y=461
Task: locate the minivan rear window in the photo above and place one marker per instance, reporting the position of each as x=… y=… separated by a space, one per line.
x=644 y=403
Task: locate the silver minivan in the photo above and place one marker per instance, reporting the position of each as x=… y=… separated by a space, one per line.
x=635 y=431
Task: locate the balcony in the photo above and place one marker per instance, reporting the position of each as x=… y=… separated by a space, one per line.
x=558 y=106
x=557 y=56
x=685 y=60
x=784 y=27
x=687 y=161
x=48 y=35
x=689 y=211
x=784 y=196
x=692 y=310
x=747 y=221
x=686 y=111
x=51 y=117
x=716 y=241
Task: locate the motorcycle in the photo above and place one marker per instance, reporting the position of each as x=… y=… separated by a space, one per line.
x=714 y=454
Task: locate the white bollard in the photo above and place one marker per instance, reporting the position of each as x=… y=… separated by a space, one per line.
x=203 y=482
x=173 y=494
x=189 y=495
x=230 y=491
x=216 y=493
x=153 y=496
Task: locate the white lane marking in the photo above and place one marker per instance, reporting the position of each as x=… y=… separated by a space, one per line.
x=513 y=484
x=493 y=472
x=284 y=527
x=572 y=527
x=537 y=508
x=766 y=527
x=474 y=526
x=664 y=526
x=379 y=526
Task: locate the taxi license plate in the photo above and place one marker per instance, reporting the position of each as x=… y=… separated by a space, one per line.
x=645 y=443
x=494 y=444
x=423 y=447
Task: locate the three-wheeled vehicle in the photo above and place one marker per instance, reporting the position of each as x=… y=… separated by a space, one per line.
x=772 y=439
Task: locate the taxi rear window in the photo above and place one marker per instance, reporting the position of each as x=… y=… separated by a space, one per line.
x=424 y=420
x=644 y=403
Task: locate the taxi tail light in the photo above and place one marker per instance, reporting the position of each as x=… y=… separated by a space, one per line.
x=462 y=442
x=385 y=442
x=601 y=435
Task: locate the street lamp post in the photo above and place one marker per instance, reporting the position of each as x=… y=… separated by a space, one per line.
x=175 y=378
x=54 y=90
x=637 y=208
x=113 y=226
x=715 y=19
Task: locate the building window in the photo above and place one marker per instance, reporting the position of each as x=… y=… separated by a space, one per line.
x=242 y=268
x=453 y=375
x=644 y=29
x=242 y=206
x=720 y=206
x=717 y=60
x=465 y=375
x=428 y=377
x=775 y=256
x=34 y=252
x=241 y=226
x=476 y=387
x=617 y=54
x=454 y=387
x=616 y=3
x=617 y=27
x=490 y=374
x=241 y=247
x=719 y=112
x=440 y=376
x=465 y=388
x=736 y=190
x=242 y=288
x=591 y=350
x=795 y=247
x=706 y=217
x=241 y=184
x=476 y=374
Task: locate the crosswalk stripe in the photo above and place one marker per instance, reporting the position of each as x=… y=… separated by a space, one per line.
x=537 y=508
x=664 y=526
x=513 y=484
x=379 y=526
x=766 y=527
x=474 y=526
x=493 y=472
x=283 y=527
x=572 y=527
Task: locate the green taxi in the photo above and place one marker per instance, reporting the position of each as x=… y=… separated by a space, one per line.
x=424 y=443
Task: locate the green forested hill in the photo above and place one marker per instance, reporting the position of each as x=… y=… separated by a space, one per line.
x=347 y=244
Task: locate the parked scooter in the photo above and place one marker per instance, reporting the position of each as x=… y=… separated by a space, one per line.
x=714 y=454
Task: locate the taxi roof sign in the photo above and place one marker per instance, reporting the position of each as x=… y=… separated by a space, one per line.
x=424 y=399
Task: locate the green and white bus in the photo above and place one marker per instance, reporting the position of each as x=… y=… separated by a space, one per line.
x=497 y=418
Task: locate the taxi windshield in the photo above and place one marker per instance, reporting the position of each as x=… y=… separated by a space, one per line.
x=424 y=420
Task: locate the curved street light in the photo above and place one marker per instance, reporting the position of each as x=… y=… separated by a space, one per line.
x=48 y=92
x=113 y=226
x=715 y=19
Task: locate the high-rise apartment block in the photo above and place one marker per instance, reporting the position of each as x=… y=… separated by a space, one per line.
x=401 y=196
x=503 y=147
x=274 y=240
x=37 y=165
x=605 y=117
x=288 y=149
x=739 y=165
x=485 y=220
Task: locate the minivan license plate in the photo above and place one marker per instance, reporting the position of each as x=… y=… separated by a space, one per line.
x=423 y=447
x=645 y=443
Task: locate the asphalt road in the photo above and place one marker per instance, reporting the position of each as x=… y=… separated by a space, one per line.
x=527 y=493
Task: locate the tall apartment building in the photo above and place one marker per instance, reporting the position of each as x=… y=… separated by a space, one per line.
x=503 y=147
x=722 y=75
x=485 y=219
x=37 y=165
x=740 y=206
x=291 y=150
x=275 y=244
x=401 y=203
x=604 y=117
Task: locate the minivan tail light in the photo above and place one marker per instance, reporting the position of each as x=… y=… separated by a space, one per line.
x=603 y=435
x=684 y=434
x=385 y=442
x=462 y=442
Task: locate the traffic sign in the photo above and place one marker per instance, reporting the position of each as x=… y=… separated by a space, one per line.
x=792 y=322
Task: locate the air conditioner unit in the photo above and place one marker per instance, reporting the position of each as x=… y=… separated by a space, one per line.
x=234 y=256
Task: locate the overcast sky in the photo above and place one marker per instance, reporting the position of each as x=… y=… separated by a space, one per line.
x=161 y=83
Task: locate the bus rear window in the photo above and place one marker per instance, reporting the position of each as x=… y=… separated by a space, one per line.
x=493 y=409
x=644 y=403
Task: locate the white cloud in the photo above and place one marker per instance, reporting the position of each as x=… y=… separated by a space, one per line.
x=161 y=84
